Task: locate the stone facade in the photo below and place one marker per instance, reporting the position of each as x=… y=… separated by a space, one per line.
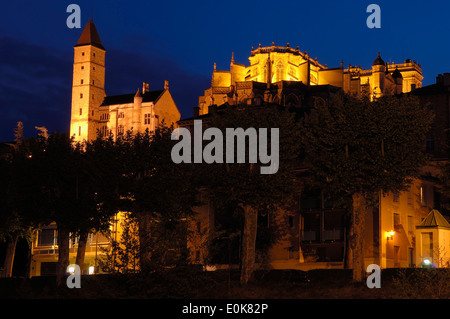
x=93 y=112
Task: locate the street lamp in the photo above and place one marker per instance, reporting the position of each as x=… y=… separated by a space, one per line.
x=390 y=235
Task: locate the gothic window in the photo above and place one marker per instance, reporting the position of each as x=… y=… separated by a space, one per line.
x=292 y=100
x=280 y=71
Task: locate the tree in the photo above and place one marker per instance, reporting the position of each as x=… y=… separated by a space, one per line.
x=243 y=183
x=160 y=195
x=358 y=148
x=18 y=216
x=123 y=255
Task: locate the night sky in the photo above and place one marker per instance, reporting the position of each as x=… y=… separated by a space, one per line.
x=179 y=41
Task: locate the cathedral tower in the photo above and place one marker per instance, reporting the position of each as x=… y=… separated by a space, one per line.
x=88 y=87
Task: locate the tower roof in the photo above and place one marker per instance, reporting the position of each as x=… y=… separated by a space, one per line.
x=434 y=219
x=397 y=74
x=378 y=60
x=90 y=36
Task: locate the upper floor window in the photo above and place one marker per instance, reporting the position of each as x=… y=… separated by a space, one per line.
x=147 y=118
x=47 y=237
x=396 y=196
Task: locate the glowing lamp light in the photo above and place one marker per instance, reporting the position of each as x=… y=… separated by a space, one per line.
x=426 y=262
x=91 y=270
x=390 y=235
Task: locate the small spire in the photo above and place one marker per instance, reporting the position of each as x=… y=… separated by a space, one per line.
x=166 y=85
x=232 y=56
x=138 y=93
x=214 y=66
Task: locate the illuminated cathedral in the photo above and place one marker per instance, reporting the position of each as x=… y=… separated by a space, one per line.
x=282 y=75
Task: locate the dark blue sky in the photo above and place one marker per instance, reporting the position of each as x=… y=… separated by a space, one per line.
x=180 y=40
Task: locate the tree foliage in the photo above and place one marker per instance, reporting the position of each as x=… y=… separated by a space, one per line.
x=358 y=148
x=243 y=184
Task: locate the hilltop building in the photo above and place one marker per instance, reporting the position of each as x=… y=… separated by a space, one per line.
x=280 y=74
x=94 y=112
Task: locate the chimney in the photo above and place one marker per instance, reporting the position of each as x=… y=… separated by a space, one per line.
x=145 y=87
x=166 y=85
x=196 y=111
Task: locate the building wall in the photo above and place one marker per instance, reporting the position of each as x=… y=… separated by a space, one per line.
x=45 y=256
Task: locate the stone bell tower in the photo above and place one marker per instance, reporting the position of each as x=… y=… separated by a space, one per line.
x=88 y=87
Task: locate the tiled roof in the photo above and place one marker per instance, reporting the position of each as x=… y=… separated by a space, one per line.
x=434 y=219
x=150 y=96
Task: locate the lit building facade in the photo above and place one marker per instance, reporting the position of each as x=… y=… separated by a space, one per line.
x=94 y=112
x=274 y=67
